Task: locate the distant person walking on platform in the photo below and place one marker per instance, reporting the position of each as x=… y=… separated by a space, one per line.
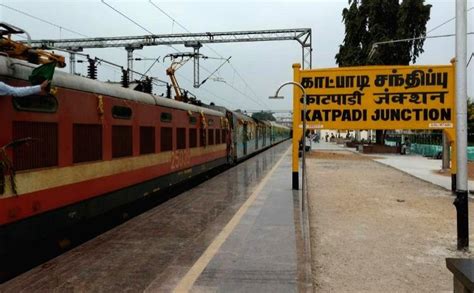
x=6 y=90
x=405 y=149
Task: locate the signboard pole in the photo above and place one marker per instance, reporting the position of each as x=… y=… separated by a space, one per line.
x=451 y=135
x=445 y=154
x=461 y=201
x=391 y=97
x=296 y=127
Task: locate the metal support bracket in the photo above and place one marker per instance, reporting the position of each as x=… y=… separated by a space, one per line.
x=196 y=46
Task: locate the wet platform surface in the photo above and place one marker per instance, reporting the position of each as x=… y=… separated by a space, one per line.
x=240 y=231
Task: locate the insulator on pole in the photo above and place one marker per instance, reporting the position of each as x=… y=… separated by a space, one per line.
x=168 y=91
x=125 y=81
x=147 y=86
x=92 y=69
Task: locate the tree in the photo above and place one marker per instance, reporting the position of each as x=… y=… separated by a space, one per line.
x=470 y=120
x=371 y=21
x=268 y=116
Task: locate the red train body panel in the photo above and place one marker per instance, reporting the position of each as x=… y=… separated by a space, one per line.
x=95 y=108
x=93 y=146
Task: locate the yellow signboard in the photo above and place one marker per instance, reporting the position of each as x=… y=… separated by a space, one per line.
x=374 y=97
x=377 y=97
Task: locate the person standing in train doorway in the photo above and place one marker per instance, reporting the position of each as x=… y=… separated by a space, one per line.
x=6 y=90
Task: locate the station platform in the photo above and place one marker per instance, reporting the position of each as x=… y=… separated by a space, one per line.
x=421 y=167
x=244 y=230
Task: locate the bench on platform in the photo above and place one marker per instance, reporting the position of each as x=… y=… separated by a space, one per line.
x=380 y=149
x=463 y=274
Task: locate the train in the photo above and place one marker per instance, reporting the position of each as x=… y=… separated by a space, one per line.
x=89 y=147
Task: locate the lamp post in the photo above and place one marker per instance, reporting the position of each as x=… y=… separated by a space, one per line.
x=461 y=201
x=295 y=184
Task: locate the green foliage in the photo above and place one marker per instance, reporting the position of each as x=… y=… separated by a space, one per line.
x=470 y=120
x=371 y=21
x=268 y=116
x=470 y=110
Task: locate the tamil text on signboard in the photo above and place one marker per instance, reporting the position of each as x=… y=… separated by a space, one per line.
x=378 y=97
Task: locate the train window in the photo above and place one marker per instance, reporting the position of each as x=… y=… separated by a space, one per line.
x=87 y=142
x=166 y=117
x=147 y=140
x=192 y=137
x=121 y=141
x=210 y=135
x=41 y=147
x=166 y=139
x=224 y=135
x=36 y=103
x=180 y=138
x=210 y=122
x=192 y=120
x=121 y=112
x=202 y=137
x=218 y=136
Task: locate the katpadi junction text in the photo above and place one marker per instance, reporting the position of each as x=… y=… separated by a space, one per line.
x=405 y=97
x=443 y=115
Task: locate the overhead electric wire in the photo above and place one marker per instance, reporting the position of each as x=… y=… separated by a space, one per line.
x=123 y=14
x=206 y=90
x=74 y=32
x=43 y=20
x=445 y=22
x=242 y=93
x=376 y=44
x=110 y=67
x=245 y=82
x=418 y=38
x=86 y=36
x=149 y=68
x=116 y=10
x=188 y=31
x=212 y=49
x=217 y=69
x=470 y=58
x=50 y=23
x=150 y=33
x=137 y=24
x=169 y=16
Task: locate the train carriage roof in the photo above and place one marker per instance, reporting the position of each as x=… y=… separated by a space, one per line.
x=243 y=117
x=19 y=69
x=274 y=124
x=265 y=122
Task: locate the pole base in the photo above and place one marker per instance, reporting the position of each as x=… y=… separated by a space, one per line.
x=462 y=216
x=453 y=183
x=295 y=180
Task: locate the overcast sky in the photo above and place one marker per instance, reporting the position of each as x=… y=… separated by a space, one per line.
x=260 y=67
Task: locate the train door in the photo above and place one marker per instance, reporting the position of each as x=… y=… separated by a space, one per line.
x=256 y=136
x=272 y=137
x=230 y=138
x=264 y=135
x=245 y=138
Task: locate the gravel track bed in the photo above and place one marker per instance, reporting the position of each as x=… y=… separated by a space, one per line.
x=376 y=229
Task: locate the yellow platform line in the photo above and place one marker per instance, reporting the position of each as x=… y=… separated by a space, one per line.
x=187 y=282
